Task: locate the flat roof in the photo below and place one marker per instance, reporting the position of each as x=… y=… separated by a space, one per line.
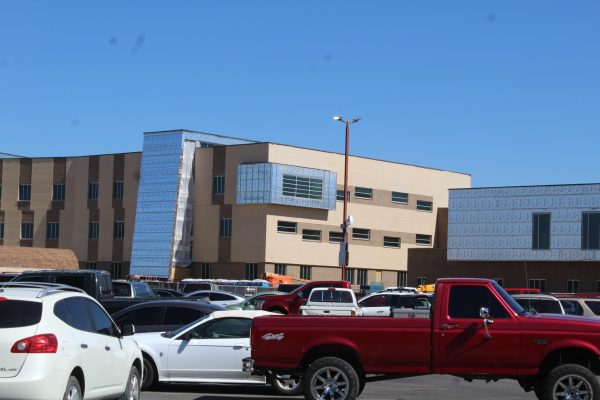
x=526 y=186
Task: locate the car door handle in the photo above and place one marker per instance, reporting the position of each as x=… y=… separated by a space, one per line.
x=238 y=346
x=84 y=345
x=107 y=348
x=380 y=312
x=447 y=327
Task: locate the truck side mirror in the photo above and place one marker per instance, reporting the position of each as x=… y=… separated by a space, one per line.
x=484 y=313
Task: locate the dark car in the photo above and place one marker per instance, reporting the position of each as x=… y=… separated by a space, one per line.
x=163 y=315
x=167 y=293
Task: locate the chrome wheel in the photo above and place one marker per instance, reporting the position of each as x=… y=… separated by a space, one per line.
x=329 y=383
x=572 y=387
x=134 y=388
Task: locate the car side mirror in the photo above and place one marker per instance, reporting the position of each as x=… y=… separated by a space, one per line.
x=127 y=330
x=484 y=313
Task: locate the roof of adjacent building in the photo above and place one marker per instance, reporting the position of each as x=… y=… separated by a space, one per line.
x=19 y=259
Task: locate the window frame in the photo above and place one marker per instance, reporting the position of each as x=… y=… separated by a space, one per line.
x=363 y=234
x=281 y=229
x=586 y=231
x=363 y=193
x=302 y=187
x=118 y=189
x=225 y=228
x=399 y=194
x=93 y=190
x=52 y=230
x=25 y=192
x=538 y=240
x=311 y=235
x=58 y=192
x=27 y=230
x=119 y=230
x=394 y=245
x=218 y=188
x=306 y=272
x=424 y=205
x=423 y=240
x=91 y=230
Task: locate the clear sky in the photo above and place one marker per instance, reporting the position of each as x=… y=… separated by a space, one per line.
x=507 y=91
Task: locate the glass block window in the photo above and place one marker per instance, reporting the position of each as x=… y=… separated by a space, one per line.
x=336 y=237
x=390 y=241
x=52 y=230
x=205 y=270
x=399 y=197
x=423 y=205
x=573 y=286
x=281 y=269
x=540 y=239
x=590 y=231
x=302 y=187
x=218 y=185
x=311 y=234
x=361 y=277
x=94 y=230
x=361 y=234
x=402 y=279
x=538 y=284
x=351 y=275
x=118 y=190
x=363 y=193
x=251 y=271
x=116 y=270
x=58 y=192
x=305 y=272
x=119 y=229
x=25 y=192
x=423 y=239
x=286 y=226
x=225 y=228
x=27 y=230
x=93 y=191
x=339 y=195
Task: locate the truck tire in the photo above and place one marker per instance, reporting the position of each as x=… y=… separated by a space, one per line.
x=286 y=384
x=331 y=378
x=570 y=381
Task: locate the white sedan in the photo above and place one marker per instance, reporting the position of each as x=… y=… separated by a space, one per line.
x=209 y=350
x=216 y=297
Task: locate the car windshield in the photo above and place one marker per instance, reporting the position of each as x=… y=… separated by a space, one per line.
x=512 y=303
x=170 y=334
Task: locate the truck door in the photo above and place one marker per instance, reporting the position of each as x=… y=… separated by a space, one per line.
x=462 y=344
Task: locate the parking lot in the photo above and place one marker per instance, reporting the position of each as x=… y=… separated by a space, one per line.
x=417 y=388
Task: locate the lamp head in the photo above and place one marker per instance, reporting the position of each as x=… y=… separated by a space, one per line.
x=338 y=118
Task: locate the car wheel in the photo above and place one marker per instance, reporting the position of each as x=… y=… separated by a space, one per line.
x=571 y=381
x=149 y=378
x=73 y=390
x=132 y=390
x=286 y=384
x=331 y=378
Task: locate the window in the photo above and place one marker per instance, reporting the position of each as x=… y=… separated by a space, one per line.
x=94 y=231
x=27 y=230
x=390 y=241
x=423 y=205
x=205 y=270
x=361 y=277
x=281 y=269
x=402 y=279
x=52 y=230
x=102 y=322
x=58 y=192
x=311 y=234
x=119 y=230
x=142 y=316
x=286 y=227
x=305 y=272
x=380 y=300
x=361 y=234
x=116 y=270
x=1 y=230
x=229 y=328
x=218 y=185
x=351 y=275
x=180 y=316
x=339 y=195
x=302 y=187
x=572 y=307
x=336 y=237
x=590 y=231
x=91 y=265
x=363 y=193
x=465 y=302
x=118 y=190
x=251 y=271
x=93 y=191
x=538 y=284
x=423 y=239
x=79 y=314
x=593 y=305
x=25 y=192
x=331 y=296
x=572 y=286
x=421 y=281
x=19 y=313
x=541 y=231
x=399 y=197
x=225 y=228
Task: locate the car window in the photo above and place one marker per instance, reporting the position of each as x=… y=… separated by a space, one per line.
x=18 y=313
x=102 y=323
x=79 y=315
x=32 y=278
x=465 y=302
x=122 y=289
x=572 y=307
x=60 y=310
x=380 y=300
x=422 y=303
x=141 y=316
x=180 y=315
x=540 y=306
x=331 y=296
x=594 y=306
x=223 y=328
x=142 y=290
x=72 y=280
x=104 y=285
x=220 y=297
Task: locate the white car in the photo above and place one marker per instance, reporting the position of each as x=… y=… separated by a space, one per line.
x=330 y=301
x=56 y=342
x=216 y=297
x=383 y=304
x=539 y=303
x=209 y=350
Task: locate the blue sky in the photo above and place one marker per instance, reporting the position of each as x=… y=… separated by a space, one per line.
x=508 y=91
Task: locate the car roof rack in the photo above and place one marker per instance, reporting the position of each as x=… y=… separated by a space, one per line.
x=48 y=288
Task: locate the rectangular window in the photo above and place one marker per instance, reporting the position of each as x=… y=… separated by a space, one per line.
x=390 y=241
x=58 y=192
x=423 y=239
x=251 y=271
x=541 y=231
x=117 y=189
x=116 y=270
x=218 y=185
x=91 y=265
x=538 y=284
x=281 y=269
x=399 y=197
x=94 y=231
x=52 y=230
x=93 y=191
x=590 y=231
x=402 y=279
x=25 y=192
x=1 y=230
x=423 y=205
x=363 y=193
x=311 y=234
x=573 y=286
x=225 y=228
x=27 y=230
x=351 y=275
x=361 y=277
x=302 y=187
x=206 y=270
x=421 y=280
x=339 y=195
x=361 y=234
x=305 y=272
x=286 y=226
x=119 y=231
x=336 y=237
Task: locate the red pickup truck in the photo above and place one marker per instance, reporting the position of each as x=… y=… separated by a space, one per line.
x=476 y=331
x=290 y=303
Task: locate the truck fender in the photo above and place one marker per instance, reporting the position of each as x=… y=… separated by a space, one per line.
x=571 y=343
x=331 y=346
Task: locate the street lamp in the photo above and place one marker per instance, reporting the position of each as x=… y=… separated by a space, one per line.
x=344 y=252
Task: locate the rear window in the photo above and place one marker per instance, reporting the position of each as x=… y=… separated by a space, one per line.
x=331 y=296
x=18 y=313
x=540 y=306
x=594 y=306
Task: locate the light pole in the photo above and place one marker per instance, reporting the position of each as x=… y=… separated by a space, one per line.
x=344 y=251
